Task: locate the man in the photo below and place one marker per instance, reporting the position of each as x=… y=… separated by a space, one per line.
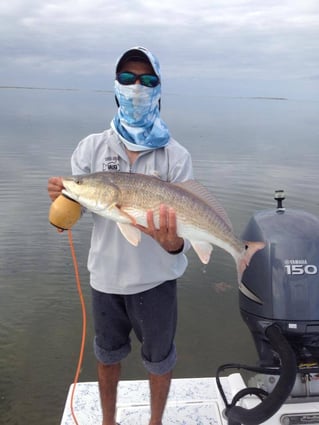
x=134 y=287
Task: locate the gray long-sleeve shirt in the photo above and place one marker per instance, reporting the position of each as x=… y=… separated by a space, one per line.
x=115 y=265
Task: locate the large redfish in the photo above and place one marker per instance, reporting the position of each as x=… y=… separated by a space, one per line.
x=126 y=198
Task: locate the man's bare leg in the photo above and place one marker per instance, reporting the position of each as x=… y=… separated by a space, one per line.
x=159 y=387
x=109 y=376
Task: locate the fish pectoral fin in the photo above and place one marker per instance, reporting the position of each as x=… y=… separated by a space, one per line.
x=114 y=212
x=130 y=233
x=203 y=250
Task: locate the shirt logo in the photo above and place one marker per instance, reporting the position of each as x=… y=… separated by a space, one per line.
x=111 y=163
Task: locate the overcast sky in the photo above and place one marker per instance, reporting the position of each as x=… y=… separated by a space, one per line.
x=69 y=43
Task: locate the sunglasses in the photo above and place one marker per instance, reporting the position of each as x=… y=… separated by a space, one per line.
x=128 y=78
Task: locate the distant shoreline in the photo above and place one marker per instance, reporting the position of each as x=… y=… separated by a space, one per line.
x=52 y=89
x=111 y=92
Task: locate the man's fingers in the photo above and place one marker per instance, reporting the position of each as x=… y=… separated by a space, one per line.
x=55 y=187
x=163 y=218
x=150 y=221
x=171 y=222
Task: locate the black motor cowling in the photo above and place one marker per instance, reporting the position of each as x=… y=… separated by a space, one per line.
x=285 y=276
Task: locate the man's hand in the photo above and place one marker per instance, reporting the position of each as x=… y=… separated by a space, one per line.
x=166 y=235
x=55 y=187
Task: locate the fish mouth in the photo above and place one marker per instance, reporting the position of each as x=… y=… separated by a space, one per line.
x=69 y=194
x=66 y=181
x=66 y=195
x=70 y=185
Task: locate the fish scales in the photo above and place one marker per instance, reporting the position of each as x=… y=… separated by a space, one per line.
x=136 y=192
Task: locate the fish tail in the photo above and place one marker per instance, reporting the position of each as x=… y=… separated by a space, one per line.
x=243 y=263
x=251 y=249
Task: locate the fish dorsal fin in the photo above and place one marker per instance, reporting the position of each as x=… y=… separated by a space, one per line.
x=200 y=191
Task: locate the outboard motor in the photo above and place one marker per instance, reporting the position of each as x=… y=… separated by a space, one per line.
x=284 y=275
x=285 y=323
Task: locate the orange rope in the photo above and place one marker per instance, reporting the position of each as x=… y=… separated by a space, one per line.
x=78 y=285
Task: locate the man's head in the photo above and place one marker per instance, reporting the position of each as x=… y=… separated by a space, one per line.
x=137 y=93
x=137 y=66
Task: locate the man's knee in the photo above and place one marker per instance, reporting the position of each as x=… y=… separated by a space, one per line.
x=164 y=366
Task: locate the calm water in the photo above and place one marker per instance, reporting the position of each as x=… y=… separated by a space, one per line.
x=243 y=149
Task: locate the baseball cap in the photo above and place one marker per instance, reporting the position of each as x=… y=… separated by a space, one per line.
x=139 y=54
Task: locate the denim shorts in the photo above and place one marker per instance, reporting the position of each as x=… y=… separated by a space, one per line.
x=153 y=317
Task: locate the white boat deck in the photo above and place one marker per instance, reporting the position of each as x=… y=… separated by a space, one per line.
x=192 y=401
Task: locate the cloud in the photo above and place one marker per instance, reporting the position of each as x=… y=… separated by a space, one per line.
x=221 y=39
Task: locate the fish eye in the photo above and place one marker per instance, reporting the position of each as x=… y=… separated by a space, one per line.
x=77 y=180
